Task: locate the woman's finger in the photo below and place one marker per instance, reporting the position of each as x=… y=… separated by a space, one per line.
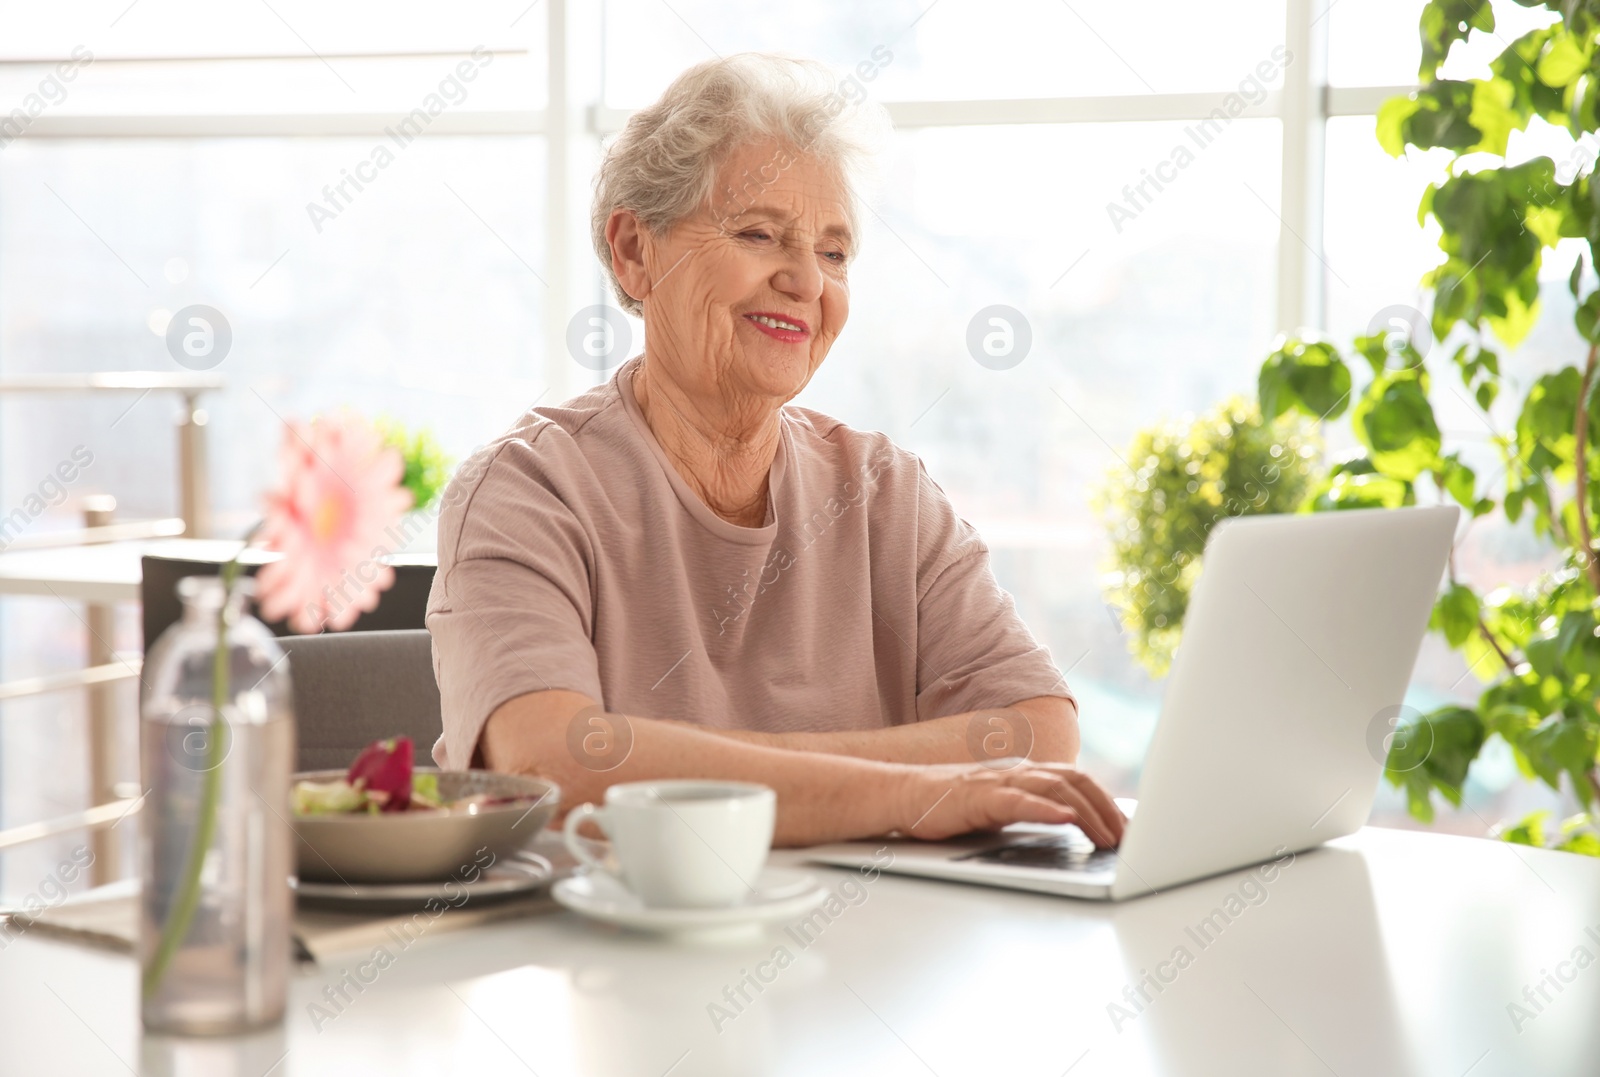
x=1104 y=804
x=1013 y=805
x=1056 y=787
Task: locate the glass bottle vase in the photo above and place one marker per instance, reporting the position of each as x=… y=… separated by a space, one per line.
x=216 y=843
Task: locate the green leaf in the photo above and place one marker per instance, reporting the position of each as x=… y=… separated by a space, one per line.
x=1587 y=317
x=1460 y=482
x=1432 y=753
x=1481 y=367
x=1391 y=349
x=1355 y=484
x=1492 y=115
x=1392 y=117
x=1585 y=844
x=1490 y=276
x=1515 y=318
x=1578 y=835
x=1545 y=427
x=1443 y=23
x=1304 y=376
x=1528 y=832
x=1577 y=645
x=1456 y=614
x=1563 y=61
x=1394 y=420
x=1547 y=223
x=425 y=789
x=1443 y=117
x=1513 y=504
x=325 y=798
x=1544 y=655
x=1361 y=492
x=1563 y=744
x=427 y=467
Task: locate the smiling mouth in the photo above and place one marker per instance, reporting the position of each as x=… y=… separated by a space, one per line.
x=786 y=329
x=773 y=322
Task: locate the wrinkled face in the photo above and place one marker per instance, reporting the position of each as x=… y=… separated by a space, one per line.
x=748 y=294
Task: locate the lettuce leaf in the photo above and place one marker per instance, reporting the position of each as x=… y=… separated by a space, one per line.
x=326 y=798
x=425 y=791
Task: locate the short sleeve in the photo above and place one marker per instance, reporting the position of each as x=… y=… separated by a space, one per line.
x=511 y=610
x=973 y=651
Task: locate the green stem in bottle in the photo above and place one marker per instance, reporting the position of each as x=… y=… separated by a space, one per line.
x=181 y=913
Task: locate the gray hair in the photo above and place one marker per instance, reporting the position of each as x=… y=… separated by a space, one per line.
x=664 y=163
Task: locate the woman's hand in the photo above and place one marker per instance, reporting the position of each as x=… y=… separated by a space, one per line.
x=941 y=801
x=821 y=797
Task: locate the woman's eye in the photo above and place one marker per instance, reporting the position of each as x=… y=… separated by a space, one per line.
x=755 y=235
x=836 y=257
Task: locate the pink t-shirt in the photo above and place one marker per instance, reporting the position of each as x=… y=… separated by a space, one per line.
x=572 y=555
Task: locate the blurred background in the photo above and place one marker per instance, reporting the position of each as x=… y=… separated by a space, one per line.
x=196 y=156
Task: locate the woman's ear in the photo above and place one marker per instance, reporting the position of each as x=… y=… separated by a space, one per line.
x=627 y=238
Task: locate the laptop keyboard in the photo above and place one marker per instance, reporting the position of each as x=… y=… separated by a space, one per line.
x=1056 y=853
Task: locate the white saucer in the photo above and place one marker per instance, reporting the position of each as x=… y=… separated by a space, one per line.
x=780 y=894
x=523 y=872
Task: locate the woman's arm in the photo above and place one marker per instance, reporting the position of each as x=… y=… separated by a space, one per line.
x=1043 y=729
x=821 y=797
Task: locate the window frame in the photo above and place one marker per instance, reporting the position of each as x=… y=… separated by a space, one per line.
x=575 y=120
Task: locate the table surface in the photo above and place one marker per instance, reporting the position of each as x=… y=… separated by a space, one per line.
x=1387 y=952
x=103 y=572
x=109 y=572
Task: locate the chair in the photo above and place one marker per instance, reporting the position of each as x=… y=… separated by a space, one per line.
x=351 y=689
x=402 y=606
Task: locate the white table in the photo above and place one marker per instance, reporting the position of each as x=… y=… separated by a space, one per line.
x=1385 y=953
x=105 y=573
x=110 y=572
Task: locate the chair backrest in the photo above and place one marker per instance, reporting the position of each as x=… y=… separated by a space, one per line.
x=351 y=689
x=402 y=606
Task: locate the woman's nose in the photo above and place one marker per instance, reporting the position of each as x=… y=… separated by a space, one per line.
x=799 y=277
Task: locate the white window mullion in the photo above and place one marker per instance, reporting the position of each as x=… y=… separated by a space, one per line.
x=557 y=366
x=1300 y=261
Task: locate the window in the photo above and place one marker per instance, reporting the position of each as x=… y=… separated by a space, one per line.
x=952 y=52
x=364 y=254
x=207 y=155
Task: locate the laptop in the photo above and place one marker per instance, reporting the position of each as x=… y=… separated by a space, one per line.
x=1277 y=715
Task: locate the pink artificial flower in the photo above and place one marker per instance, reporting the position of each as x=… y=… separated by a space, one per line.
x=340 y=490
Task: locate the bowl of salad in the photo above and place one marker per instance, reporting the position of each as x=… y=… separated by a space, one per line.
x=384 y=820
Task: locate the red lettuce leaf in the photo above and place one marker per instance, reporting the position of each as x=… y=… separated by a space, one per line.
x=384 y=768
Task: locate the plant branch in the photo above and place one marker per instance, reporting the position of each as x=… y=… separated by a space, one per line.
x=1580 y=437
x=1483 y=627
x=1557 y=528
x=1488 y=636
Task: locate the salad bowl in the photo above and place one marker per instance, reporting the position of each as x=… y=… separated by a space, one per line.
x=484 y=817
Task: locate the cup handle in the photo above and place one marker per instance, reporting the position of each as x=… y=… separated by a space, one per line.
x=576 y=844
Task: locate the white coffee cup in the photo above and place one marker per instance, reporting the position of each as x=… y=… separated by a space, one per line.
x=681 y=844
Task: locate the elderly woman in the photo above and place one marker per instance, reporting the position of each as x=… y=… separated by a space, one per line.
x=676 y=574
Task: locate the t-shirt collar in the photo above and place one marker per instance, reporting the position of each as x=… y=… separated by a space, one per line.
x=686 y=496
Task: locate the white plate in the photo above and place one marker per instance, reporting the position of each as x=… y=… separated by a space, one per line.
x=515 y=875
x=780 y=894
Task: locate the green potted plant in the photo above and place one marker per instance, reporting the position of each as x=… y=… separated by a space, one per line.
x=1537 y=649
x=1182 y=479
